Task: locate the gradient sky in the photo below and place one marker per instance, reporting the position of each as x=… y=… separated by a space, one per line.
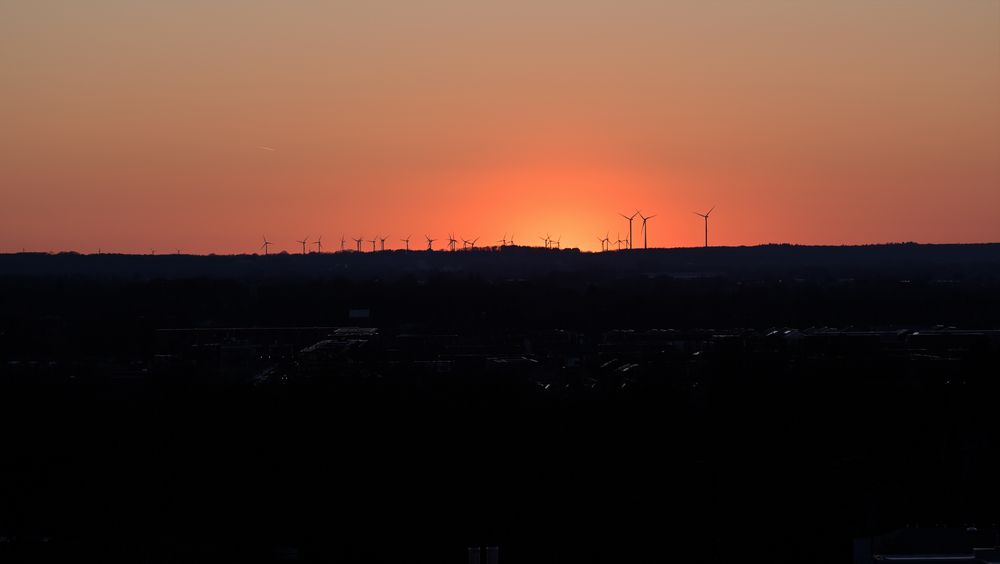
x=202 y=125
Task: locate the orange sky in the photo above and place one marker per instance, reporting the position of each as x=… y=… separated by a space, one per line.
x=132 y=125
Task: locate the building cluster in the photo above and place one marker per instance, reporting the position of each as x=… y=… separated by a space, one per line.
x=555 y=362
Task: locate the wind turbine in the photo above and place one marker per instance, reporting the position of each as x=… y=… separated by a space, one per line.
x=503 y=242
x=430 y=243
x=372 y=241
x=705 y=215
x=630 y=226
x=265 y=245
x=452 y=241
x=605 y=242
x=358 y=240
x=620 y=241
x=558 y=241
x=547 y=240
x=319 y=244
x=644 y=220
x=303 y=243
x=342 y=241
x=382 y=239
x=473 y=243
x=407 y=241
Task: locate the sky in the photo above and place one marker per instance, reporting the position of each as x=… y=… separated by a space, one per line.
x=204 y=125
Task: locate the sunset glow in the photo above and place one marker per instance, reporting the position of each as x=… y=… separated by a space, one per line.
x=131 y=126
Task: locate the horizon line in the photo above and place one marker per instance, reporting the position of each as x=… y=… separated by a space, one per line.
x=490 y=248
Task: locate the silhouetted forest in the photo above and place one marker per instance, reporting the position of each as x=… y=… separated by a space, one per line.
x=692 y=405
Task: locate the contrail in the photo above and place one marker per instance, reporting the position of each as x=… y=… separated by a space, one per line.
x=266 y=148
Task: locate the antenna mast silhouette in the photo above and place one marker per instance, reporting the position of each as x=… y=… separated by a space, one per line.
x=705 y=215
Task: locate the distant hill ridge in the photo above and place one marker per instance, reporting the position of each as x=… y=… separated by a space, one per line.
x=932 y=261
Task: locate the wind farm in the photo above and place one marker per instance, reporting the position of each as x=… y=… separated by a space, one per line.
x=378 y=243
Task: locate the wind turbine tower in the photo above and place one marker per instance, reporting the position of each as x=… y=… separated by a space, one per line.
x=705 y=215
x=605 y=242
x=265 y=245
x=303 y=242
x=629 y=218
x=644 y=232
x=358 y=240
x=430 y=243
x=407 y=241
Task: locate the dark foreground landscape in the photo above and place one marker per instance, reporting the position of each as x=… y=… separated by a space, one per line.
x=765 y=404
